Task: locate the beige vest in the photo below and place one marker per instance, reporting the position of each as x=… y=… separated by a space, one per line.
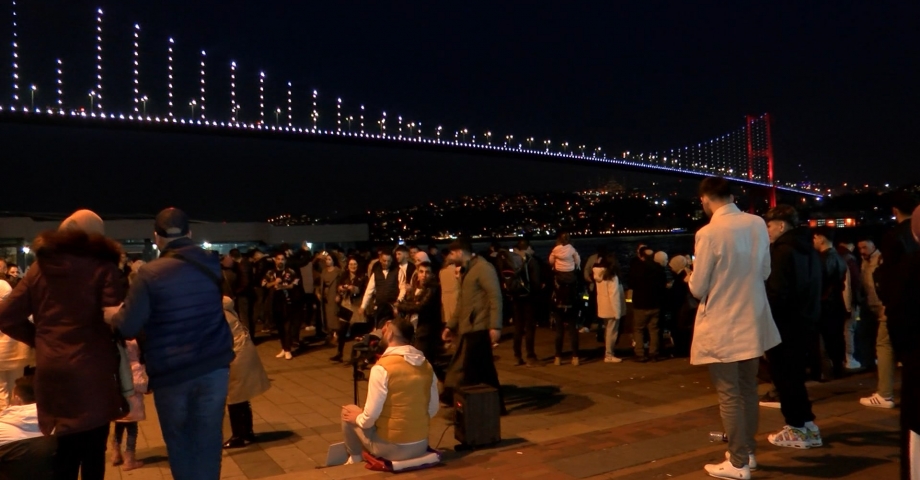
x=404 y=417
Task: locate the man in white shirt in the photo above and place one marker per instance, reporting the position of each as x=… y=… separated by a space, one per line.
x=734 y=326
x=402 y=397
x=24 y=451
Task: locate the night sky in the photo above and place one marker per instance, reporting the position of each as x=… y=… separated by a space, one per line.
x=840 y=79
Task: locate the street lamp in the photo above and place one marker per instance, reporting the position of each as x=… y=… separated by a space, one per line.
x=439 y=133
x=349 y=120
x=34 y=88
x=92 y=96
x=411 y=127
x=508 y=139
x=565 y=147
x=193 y=104
x=530 y=142
x=489 y=138
x=144 y=102
x=277 y=113
x=547 y=143
x=582 y=148
x=464 y=132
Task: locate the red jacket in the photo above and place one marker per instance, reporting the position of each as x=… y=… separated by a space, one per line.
x=76 y=380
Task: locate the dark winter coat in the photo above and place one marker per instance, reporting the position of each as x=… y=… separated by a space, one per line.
x=181 y=311
x=76 y=380
x=794 y=285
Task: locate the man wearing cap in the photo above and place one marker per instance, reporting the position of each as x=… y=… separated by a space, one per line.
x=402 y=397
x=477 y=320
x=176 y=300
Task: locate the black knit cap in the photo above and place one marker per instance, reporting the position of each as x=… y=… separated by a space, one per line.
x=171 y=223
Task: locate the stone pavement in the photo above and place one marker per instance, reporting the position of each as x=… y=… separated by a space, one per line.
x=616 y=421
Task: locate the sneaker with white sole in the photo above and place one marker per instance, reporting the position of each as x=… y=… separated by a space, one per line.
x=877 y=401
x=752 y=461
x=727 y=470
x=814 y=435
x=612 y=359
x=790 y=437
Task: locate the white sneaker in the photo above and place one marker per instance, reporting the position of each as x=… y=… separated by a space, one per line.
x=288 y=356
x=354 y=459
x=584 y=330
x=877 y=401
x=280 y=354
x=612 y=359
x=752 y=461
x=790 y=437
x=727 y=470
x=814 y=435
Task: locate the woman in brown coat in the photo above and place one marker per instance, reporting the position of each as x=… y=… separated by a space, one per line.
x=76 y=380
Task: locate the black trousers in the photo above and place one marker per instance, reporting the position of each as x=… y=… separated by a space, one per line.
x=287 y=321
x=834 y=340
x=525 y=327
x=32 y=459
x=240 y=419
x=471 y=364
x=787 y=362
x=81 y=454
x=565 y=320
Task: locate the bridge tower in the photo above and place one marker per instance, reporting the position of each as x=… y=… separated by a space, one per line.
x=760 y=149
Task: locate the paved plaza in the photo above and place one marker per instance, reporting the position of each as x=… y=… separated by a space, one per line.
x=616 y=421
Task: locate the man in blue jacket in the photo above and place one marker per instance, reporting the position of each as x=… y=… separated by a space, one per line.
x=176 y=301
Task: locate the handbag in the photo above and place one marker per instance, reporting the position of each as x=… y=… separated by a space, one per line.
x=345 y=314
x=125 y=375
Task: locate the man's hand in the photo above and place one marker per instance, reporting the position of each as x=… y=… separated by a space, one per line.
x=495 y=334
x=108 y=313
x=447 y=335
x=350 y=413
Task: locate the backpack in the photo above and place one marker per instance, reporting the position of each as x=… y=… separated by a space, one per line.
x=513 y=274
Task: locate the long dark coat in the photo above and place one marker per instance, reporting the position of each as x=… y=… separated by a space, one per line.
x=76 y=380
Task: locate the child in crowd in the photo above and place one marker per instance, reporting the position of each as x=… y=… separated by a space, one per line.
x=611 y=306
x=128 y=424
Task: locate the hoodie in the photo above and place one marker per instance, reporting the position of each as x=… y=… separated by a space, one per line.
x=377 y=386
x=564 y=258
x=794 y=285
x=19 y=422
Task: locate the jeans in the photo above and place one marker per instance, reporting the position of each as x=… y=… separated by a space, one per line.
x=886 y=364
x=610 y=339
x=786 y=362
x=736 y=384
x=191 y=418
x=358 y=439
x=832 y=333
x=525 y=327
x=641 y=320
x=131 y=429
x=565 y=320
x=81 y=453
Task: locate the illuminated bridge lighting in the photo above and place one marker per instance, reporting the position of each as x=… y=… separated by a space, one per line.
x=744 y=155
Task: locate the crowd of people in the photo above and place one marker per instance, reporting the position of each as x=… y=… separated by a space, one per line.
x=762 y=298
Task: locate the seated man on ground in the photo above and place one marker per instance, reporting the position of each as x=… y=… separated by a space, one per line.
x=24 y=451
x=402 y=397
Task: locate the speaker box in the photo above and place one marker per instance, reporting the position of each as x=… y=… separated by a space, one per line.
x=478 y=410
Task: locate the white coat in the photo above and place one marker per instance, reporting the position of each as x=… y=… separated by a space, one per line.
x=733 y=322
x=610 y=298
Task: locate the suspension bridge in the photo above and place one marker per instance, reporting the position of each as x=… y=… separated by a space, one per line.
x=743 y=155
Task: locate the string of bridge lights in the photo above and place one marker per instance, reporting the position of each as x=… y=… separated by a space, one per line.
x=674 y=161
